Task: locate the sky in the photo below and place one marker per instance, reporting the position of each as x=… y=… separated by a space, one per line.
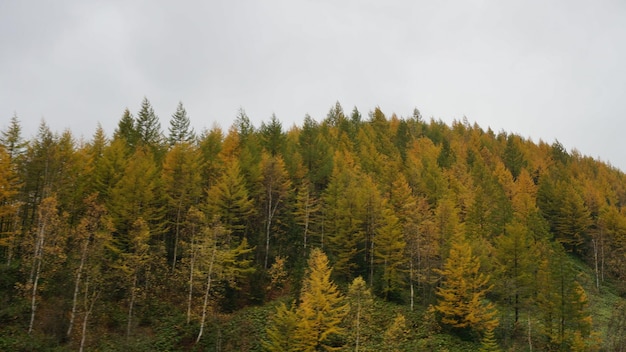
x=546 y=70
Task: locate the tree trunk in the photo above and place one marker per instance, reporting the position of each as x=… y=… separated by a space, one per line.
x=131 y=305
x=206 y=293
x=176 y=234
x=79 y=275
x=191 y=269
x=88 y=310
x=36 y=271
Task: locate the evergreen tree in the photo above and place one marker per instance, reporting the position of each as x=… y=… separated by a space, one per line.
x=127 y=130
x=148 y=126
x=12 y=140
x=180 y=127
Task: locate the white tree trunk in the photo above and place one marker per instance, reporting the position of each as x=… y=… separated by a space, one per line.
x=205 y=304
x=79 y=274
x=131 y=305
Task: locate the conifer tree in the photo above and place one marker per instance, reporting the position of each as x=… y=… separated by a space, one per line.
x=276 y=187
x=12 y=139
x=321 y=309
x=181 y=176
x=360 y=300
x=462 y=292
x=148 y=126
x=9 y=206
x=281 y=330
x=127 y=130
x=228 y=198
x=389 y=252
x=180 y=127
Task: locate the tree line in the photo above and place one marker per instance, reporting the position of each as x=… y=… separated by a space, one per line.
x=158 y=231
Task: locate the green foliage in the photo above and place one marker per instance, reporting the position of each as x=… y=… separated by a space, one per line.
x=454 y=216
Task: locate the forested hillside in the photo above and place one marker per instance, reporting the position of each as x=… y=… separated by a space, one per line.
x=358 y=232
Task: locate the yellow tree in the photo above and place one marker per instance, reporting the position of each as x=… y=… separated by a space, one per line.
x=321 y=310
x=360 y=301
x=462 y=293
x=8 y=205
x=181 y=178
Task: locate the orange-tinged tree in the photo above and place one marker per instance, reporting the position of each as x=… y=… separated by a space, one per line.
x=321 y=309
x=462 y=302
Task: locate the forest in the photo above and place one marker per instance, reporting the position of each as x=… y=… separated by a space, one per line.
x=353 y=232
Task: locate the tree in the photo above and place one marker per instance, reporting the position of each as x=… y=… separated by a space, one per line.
x=127 y=130
x=321 y=309
x=9 y=205
x=228 y=198
x=220 y=260
x=276 y=187
x=180 y=127
x=389 y=252
x=360 y=300
x=47 y=250
x=272 y=136
x=133 y=263
x=12 y=140
x=395 y=334
x=462 y=292
x=306 y=211
x=92 y=238
x=181 y=180
x=148 y=126
x=281 y=330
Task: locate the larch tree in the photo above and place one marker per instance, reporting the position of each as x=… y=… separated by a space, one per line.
x=276 y=188
x=9 y=206
x=281 y=329
x=343 y=210
x=388 y=253
x=306 y=212
x=361 y=303
x=181 y=180
x=228 y=198
x=322 y=308
x=462 y=301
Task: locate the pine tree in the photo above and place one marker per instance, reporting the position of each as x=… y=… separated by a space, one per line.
x=321 y=309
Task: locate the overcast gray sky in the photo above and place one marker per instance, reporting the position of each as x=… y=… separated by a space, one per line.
x=543 y=69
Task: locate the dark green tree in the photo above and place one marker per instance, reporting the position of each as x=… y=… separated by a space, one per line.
x=180 y=127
